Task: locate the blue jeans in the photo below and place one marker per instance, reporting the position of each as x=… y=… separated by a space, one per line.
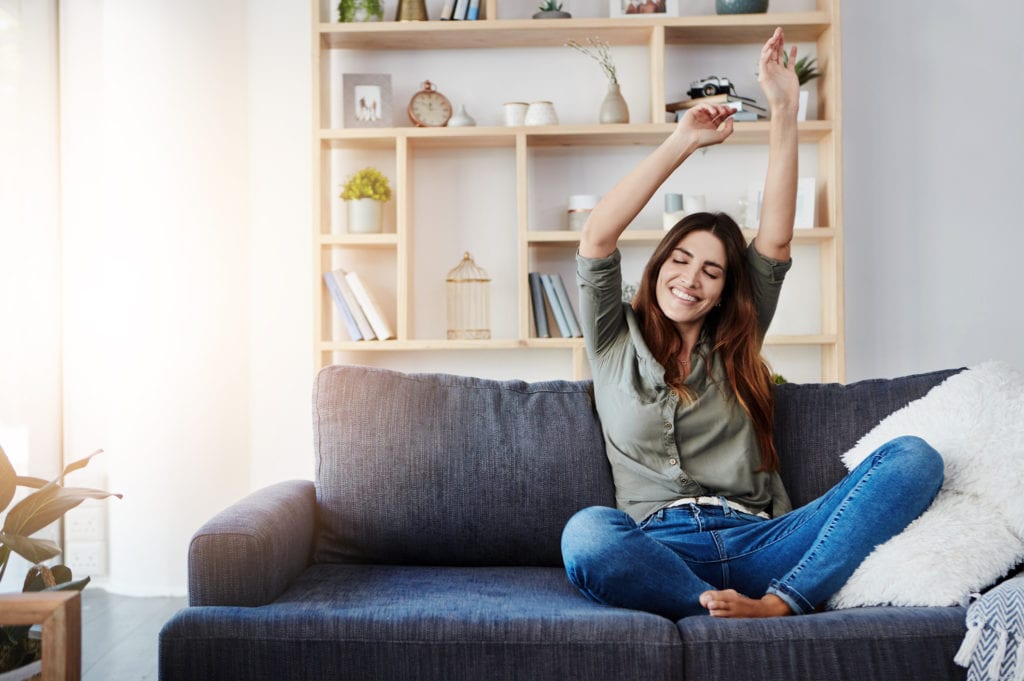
x=664 y=563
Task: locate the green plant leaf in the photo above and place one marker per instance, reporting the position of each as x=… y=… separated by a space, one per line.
x=32 y=550
x=41 y=508
x=8 y=480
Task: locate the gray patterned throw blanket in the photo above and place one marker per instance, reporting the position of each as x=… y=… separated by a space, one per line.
x=992 y=648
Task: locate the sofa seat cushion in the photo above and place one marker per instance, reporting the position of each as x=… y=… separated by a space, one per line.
x=404 y=622
x=881 y=644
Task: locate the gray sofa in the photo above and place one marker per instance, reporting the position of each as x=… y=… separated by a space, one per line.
x=428 y=548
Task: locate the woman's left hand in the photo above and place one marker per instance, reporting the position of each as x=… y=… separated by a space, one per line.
x=777 y=79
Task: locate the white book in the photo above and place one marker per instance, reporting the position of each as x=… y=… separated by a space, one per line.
x=446 y=11
x=461 y=7
x=353 y=305
x=370 y=306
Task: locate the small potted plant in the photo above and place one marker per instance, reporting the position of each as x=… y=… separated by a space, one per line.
x=365 y=194
x=551 y=9
x=360 y=10
x=47 y=504
x=806 y=71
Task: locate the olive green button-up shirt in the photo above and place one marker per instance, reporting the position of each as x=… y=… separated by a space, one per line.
x=661 y=449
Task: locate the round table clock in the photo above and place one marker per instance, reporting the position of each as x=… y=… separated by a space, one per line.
x=428 y=108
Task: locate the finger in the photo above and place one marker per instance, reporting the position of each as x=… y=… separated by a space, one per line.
x=792 y=55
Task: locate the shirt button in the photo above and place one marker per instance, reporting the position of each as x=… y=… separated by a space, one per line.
x=682 y=479
x=672 y=462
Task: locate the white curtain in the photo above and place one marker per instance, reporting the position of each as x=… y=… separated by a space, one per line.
x=30 y=404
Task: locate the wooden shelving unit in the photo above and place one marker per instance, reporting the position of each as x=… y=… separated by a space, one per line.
x=820 y=26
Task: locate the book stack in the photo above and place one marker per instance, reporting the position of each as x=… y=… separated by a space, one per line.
x=552 y=308
x=746 y=108
x=460 y=10
x=362 y=314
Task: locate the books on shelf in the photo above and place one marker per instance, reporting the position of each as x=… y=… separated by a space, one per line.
x=550 y=298
x=474 y=10
x=461 y=9
x=356 y=323
x=372 y=309
x=735 y=101
x=447 y=10
x=540 y=318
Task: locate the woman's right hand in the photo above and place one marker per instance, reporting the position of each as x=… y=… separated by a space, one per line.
x=705 y=125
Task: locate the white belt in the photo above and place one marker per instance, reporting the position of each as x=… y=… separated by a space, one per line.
x=717 y=501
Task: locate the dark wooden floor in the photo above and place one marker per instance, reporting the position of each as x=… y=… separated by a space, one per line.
x=119 y=635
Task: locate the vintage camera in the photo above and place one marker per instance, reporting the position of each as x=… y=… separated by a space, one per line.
x=712 y=85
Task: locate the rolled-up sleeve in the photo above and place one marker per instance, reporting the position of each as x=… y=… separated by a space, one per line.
x=766 y=277
x=601 y=311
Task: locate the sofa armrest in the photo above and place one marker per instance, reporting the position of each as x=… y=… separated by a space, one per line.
x=247 y=554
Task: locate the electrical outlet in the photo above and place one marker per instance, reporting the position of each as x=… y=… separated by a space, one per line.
x=85 y=524
x=86 y=558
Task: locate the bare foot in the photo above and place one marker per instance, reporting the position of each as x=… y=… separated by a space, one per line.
x=730 y=603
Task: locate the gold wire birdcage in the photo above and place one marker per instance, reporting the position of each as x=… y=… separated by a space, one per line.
x=469 y=301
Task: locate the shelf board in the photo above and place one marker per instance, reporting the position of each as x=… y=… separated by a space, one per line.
x=653 y=236
x=703 y=30
x=647 y=134
x=385 y=240
x=517 y=344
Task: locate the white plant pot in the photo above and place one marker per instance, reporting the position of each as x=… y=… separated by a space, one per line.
x=801 y=112
x=365 y=216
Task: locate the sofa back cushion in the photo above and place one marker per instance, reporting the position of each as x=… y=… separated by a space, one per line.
x=449 y=470
x=815 y=424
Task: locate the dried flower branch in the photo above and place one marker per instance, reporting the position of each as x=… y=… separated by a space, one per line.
x=599 y=51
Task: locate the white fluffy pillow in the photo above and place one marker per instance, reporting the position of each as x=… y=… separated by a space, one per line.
x=973 y=533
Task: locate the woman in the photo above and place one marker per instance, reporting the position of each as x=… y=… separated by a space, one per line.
x=703 y=523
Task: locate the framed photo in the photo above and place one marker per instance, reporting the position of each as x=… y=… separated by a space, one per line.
x=366 y=100
x=806 y=193
x=643 y=8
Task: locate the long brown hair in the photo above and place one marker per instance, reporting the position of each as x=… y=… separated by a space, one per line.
x=732 y=327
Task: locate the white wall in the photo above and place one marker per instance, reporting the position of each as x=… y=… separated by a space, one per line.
x=933 y=178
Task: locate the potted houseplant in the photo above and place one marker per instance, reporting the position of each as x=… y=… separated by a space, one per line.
x=551 y=9
x=806 y=71
x=48 y=503
x=613 y=108
x=360 y=10
x=365 y=194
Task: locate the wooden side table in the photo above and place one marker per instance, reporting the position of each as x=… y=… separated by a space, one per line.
x=60 y=613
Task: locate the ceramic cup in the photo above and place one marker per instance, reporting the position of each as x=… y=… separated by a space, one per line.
x=694 y=203
x=515 y=113
x=541 y=113
x=580 y=206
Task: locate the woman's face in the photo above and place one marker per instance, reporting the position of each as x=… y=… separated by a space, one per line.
x=691 y=281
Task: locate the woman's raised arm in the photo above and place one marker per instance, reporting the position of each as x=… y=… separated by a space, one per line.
x=702 y=126
x=778 y=204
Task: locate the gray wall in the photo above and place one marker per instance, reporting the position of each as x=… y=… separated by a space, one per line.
x=932 y=101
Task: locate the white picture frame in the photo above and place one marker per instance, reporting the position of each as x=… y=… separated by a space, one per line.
x=806 y=199
x=661 y=8
x=366 y=100
x=806 y=193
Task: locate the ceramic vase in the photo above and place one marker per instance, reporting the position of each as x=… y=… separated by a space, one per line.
x=614 y=108
x=365 y=216
x=461 y=119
